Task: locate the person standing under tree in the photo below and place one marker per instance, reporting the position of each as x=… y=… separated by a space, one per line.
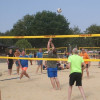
x=75 y=63
x=52 y=65
x=10 y=61
x=39 y=62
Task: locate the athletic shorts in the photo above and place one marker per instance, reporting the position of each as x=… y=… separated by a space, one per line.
x=24 y=68
x=87 y=65
x=75 y=77
x=17 y=64
x=10 y=65
x=39 y=62
x=52 y=72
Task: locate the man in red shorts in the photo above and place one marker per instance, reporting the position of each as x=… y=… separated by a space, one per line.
x=24 y=65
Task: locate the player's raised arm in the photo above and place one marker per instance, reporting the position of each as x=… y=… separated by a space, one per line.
x=52 y=45
x=48 y=45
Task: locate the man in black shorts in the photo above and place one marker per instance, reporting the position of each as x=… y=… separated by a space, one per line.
x=10 y=61
x=74 y=63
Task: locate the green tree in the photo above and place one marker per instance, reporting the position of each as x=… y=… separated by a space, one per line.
x=76 y=42
x=42 y=23
x=93 y=29
x=76 y=30
x=6 y=42
x=22 y=44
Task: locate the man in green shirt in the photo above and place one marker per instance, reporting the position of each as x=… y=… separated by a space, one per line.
x=74 y=63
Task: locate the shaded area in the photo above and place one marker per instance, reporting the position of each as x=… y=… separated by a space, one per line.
x=10 y=79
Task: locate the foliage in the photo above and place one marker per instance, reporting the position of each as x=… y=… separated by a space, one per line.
x=94 y=29
x=22 y=44
x=48 y=23
x=43 y=23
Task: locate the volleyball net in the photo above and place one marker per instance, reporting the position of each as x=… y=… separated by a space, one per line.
x=48 y=36
x=60 y=51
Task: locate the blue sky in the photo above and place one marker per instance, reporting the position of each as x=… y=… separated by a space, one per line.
x=81 y=13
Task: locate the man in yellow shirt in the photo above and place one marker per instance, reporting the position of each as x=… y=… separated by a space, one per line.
x=84 y=55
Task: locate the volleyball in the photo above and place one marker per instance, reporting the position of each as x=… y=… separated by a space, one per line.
x=59 y=10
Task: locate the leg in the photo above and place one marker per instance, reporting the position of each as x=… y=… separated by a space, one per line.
x=9 y=71
x=18 y=70
x=82 y=92
x=41 y=68
x=10 y=68
x=87 y=72
x=37 y=68
x=83 y=67
x=26 y=74
x=22 y=73
x=53 y=83
x=57 y=83
x=31 y=62
x=69 y=92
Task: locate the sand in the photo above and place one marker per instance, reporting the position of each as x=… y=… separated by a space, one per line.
x=39 y=86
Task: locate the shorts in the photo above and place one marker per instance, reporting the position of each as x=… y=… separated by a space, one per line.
x=24 y=68
x=39 y=62
x=10 y=65
x=17 y=64
x=87 y=65
x=52 y=72
x=75 y=77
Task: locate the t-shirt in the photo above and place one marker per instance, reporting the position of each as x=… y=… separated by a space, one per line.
x=30 y=55
x=10 y=55
x=51 y=64
x=39 y=55
x=23 y=62
x=85 y=56
x=76 y=62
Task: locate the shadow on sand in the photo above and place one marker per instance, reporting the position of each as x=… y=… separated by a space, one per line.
x=10 y=79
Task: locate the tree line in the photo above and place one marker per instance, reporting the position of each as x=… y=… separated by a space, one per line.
x=48 y=23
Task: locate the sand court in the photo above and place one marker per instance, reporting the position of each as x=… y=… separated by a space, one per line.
x=39 y=86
